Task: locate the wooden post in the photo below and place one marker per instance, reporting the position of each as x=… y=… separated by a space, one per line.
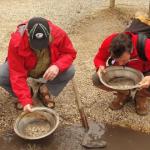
x=112 y=3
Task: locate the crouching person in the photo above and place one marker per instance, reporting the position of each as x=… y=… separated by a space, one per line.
x=121 y=49
x=37 y=49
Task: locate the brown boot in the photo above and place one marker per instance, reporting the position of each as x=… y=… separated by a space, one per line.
x=141 y=102
x=45 y=96
x=120 y=100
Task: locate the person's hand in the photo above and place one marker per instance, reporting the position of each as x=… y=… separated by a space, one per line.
x=51 y=72
x=101 y=70
x=27 y=108
x=145 y=83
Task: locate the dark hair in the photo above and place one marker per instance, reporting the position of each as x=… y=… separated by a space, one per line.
x=120 y=44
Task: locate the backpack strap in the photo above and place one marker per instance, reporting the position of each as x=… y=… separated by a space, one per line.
x=141 y=46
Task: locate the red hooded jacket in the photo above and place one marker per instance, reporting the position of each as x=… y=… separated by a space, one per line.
x=139 y=64
x=22 y=59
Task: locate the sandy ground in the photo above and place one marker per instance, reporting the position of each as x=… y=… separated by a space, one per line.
x=88 y=26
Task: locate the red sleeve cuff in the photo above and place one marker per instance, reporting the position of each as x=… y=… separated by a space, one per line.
x=26 y=101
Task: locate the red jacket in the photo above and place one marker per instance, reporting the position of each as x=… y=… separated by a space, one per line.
x=22 y=59
x=104 y=53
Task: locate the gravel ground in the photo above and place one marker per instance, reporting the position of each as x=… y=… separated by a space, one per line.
x=88 y=26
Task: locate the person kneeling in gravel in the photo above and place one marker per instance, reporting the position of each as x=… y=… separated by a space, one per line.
x=37 y=49
x=130 y=49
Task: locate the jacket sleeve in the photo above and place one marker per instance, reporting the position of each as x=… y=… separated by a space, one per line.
x=103 y=52
x=18 y=75
x=67 y=53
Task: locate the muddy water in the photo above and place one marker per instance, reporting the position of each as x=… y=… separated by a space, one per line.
x=121 y=82
x=69 y=138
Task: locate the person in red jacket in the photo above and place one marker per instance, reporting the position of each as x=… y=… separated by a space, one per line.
x=38 y=49
x=121 y=49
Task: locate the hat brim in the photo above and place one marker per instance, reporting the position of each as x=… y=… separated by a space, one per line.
x=39 y=44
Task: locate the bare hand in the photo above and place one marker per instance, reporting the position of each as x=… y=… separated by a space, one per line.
x=145 y=83
x=51 y=72
x=101 y=70
x=27 y=108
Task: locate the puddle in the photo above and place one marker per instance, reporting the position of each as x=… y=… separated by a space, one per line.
x=119 y=138
x=70 y=138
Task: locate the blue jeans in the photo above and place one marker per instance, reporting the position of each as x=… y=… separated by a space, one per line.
x=55 y=86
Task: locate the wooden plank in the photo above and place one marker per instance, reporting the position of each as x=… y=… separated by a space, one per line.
x=112 y=3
